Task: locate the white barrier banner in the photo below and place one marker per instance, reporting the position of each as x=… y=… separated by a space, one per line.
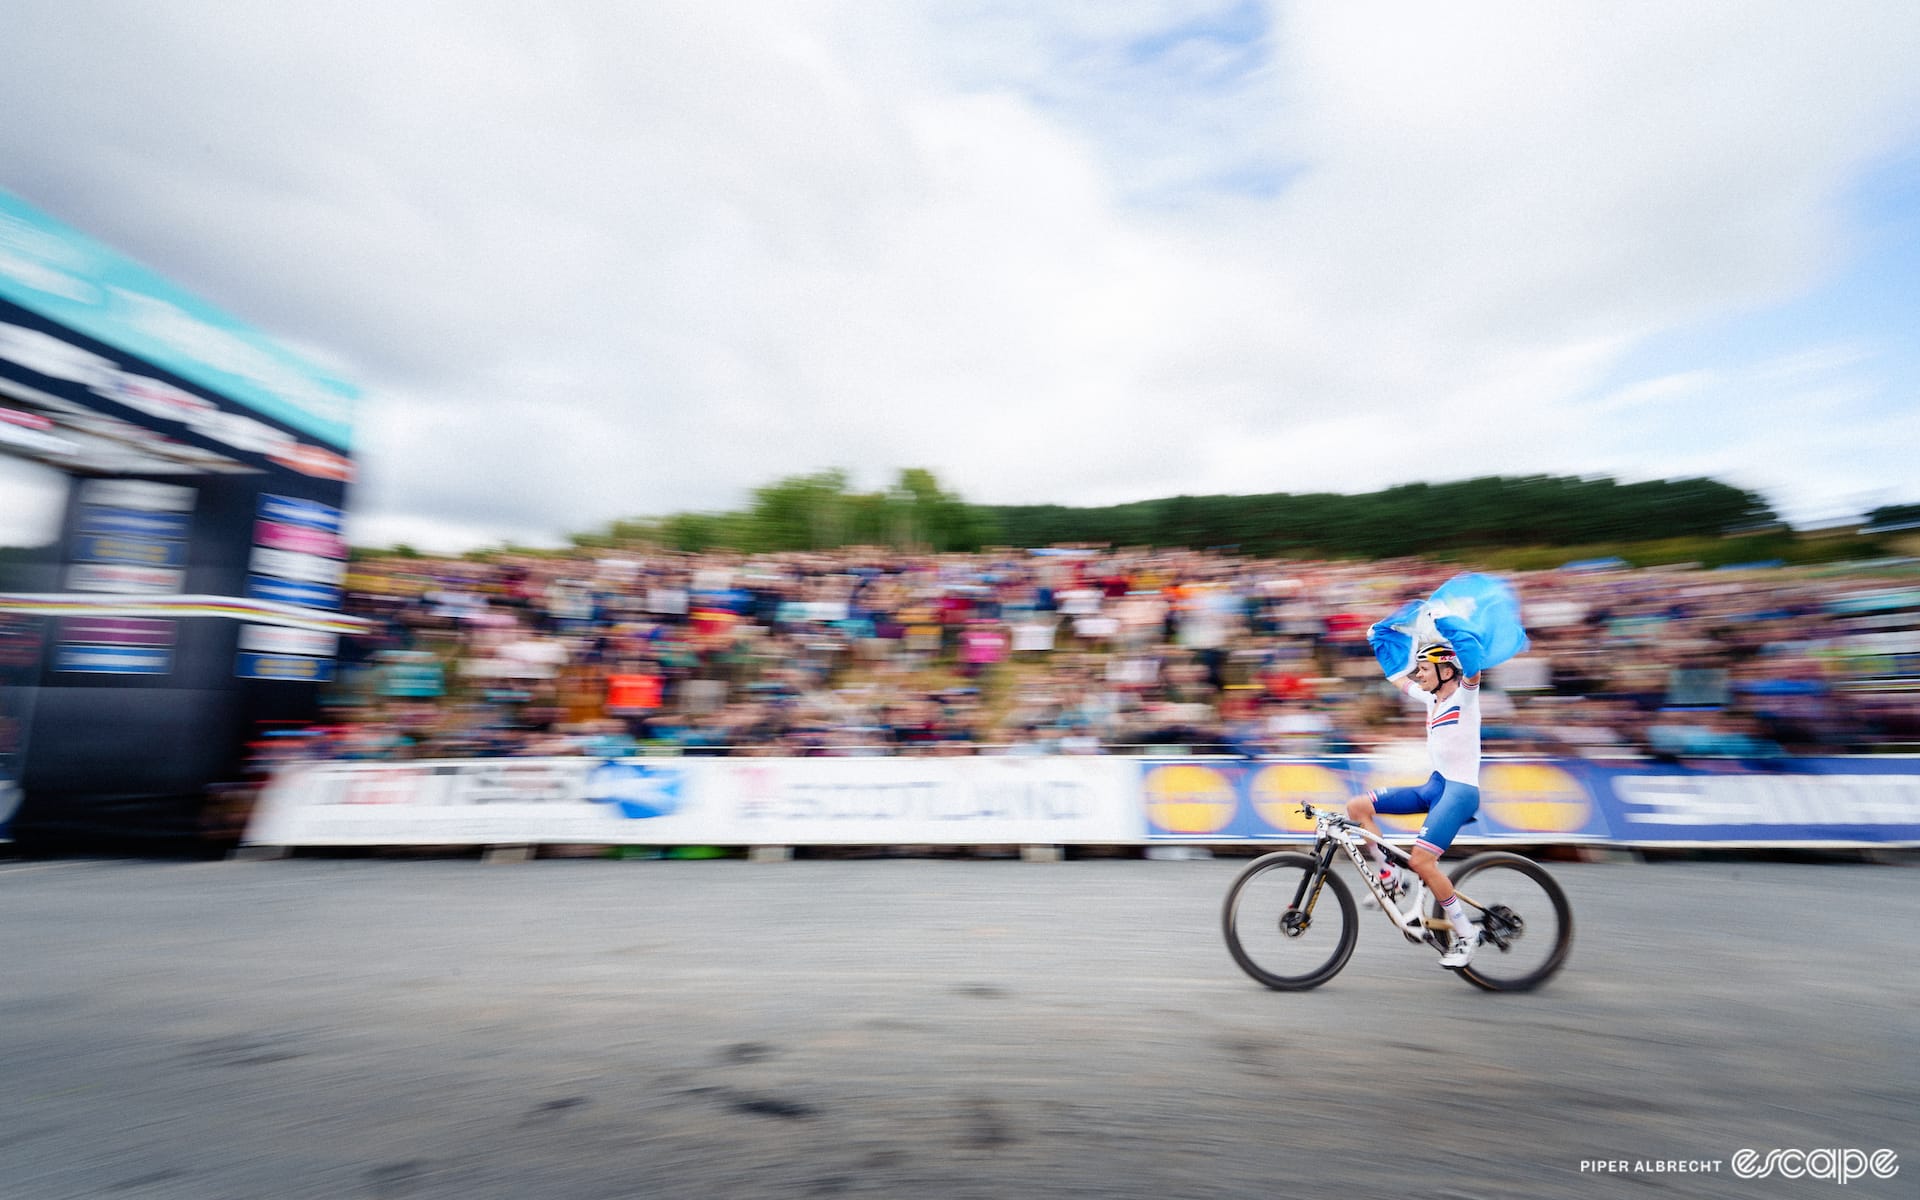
x=704 y=801
x=891 y=801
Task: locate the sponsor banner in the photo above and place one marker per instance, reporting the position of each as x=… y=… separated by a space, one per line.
x=894 y=801
x=1259 y=800
x=1524 y=800
x=75 y=374
x=136 y=524
x=1063 y=800
x=299 y=538
x=296 y=667
x=304 y=568
x=473 y=802
x=21 y=419
x=21 y=638
x=138 y=551
x=279 y=639
x=61 y=274
x=142 y=495
x=121 y=578
x=40 y=443
x=307 y=595
x=316 y=461
x=293 y=511
x=1781 y=802
x=117 y=631
x=113 y=660
x=646 y=801
x=1814 y=801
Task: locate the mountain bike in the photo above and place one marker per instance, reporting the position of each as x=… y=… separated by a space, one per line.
x=1290 y=921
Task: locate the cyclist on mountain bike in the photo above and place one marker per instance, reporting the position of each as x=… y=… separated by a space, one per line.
x=1449 y=797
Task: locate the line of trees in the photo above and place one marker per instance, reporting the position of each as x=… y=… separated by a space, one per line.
x=1495 y=511
x=818 y=512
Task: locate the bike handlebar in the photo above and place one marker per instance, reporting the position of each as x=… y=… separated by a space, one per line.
x=1329 y=817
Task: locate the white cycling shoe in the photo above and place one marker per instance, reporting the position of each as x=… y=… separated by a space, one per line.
x=1460 y=950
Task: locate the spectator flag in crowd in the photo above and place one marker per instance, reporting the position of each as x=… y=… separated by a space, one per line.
x=1478 y=615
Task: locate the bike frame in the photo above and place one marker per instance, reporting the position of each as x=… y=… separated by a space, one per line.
x=1333 y=830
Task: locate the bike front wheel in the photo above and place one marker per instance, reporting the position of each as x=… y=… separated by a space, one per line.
x=1284 y=930
x=1525 y=922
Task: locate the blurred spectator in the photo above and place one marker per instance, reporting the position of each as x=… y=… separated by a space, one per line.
x=1117 y=651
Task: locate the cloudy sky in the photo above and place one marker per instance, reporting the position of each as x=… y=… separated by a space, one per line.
x=599 y=259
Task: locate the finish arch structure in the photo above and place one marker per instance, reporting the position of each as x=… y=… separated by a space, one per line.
x=193 y=590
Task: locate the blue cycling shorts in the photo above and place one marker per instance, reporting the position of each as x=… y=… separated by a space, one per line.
x=1448 y=805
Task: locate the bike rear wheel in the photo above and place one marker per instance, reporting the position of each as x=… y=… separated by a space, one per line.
x=1525 y=922
x=1280 y=931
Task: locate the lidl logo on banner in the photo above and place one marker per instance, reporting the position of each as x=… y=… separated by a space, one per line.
x=1278 y=791
x=640 y=790
x=1187 y=798
x=1534 y=798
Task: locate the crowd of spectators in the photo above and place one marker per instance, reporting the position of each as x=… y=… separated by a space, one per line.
x=1087 y=652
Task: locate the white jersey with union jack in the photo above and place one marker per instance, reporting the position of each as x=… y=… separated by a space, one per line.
x=1453 y=730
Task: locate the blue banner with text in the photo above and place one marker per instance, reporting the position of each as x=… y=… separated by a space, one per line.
x=1776 y=802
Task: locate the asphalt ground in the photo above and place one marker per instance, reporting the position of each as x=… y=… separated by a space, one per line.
x=913 y=1028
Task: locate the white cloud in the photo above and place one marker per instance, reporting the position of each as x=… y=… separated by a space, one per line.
x=596 y=259
x=1801 y=427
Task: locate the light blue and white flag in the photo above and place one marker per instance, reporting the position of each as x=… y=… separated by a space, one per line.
x=1478 y=615
x=1393 y=640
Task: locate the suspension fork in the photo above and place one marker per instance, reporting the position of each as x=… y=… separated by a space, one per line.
x=1308 y=893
